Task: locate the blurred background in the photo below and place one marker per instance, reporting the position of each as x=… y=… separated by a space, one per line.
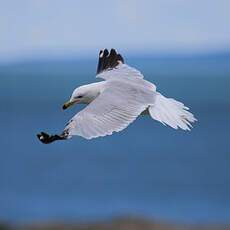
x=49 y=47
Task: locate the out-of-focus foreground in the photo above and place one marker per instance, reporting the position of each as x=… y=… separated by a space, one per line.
x=115 y=224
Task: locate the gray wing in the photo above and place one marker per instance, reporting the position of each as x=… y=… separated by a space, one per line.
x=112 y=111
x=111 y=65
x=127 y=74
x=121 y=70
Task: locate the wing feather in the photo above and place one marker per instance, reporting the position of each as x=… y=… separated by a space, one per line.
x=127 y=74
x=112 y=111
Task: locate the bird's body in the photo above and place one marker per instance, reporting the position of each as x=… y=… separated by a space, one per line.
x=115 y=102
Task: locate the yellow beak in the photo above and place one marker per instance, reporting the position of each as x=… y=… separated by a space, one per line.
x=67 y=104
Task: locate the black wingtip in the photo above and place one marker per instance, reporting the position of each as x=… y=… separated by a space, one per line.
x=45 y=138
x=108 y=60
x=106 y=52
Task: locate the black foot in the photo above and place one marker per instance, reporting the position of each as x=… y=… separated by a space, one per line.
x=47 y=139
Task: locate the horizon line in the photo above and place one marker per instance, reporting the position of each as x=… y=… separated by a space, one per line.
x=90 y=54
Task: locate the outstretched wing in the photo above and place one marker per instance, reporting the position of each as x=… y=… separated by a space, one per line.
x=112 y=111
x=109 y=69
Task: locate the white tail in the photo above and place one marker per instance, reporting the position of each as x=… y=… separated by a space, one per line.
x=171 y=112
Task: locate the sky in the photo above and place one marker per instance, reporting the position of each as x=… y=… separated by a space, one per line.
x=46 y=28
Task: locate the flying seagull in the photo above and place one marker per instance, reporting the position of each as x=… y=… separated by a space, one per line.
x=116 y=101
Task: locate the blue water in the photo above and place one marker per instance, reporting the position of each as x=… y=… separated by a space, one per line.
x=147 y=170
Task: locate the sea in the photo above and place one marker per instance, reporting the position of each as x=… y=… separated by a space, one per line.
x=148 y=170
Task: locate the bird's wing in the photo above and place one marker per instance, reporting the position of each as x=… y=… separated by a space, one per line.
x=113 y=61
x=121 y=70
x=111 y=66
x=112 y=111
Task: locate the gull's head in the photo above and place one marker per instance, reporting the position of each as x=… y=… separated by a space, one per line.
x=82 y=95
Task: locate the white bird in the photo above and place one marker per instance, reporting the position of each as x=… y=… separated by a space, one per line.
x=115 y=102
